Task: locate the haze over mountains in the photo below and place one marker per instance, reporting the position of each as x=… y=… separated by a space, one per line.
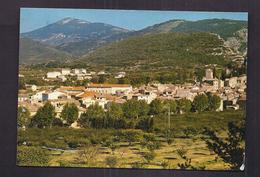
x=70 y=39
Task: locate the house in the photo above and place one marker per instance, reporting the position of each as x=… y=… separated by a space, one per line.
x=55 y=95
x=76 y=71
x=120 y=75
x=23 y=97
x=72 y=91
x=82 y=71
x=53 y=75
x=147 y=96
x=101 y=73
x=89 y=98
x=231 y=82
x=242 y=81
x=62 y=78
x=184 y=93
x=209 y=74
x=65 y=71
x=37 y=96
x=109 y=88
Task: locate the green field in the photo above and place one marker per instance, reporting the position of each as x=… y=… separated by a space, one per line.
x=115 y=148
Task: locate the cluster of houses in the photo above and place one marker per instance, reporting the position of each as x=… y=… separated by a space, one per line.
x=232 y=92
x=79 y=73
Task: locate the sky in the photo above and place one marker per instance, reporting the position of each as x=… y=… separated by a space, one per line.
x=34 y=18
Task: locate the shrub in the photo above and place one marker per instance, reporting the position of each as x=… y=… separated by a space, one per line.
x=111 y=161
x=32 y=156
x=149 y=156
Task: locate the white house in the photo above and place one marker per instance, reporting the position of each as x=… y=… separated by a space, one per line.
x=53 y=75
x=231 y=82
x=37 y=96
x=47 y=96
x=76 y=71
x=65 y=71
x=120 y=75
x=148 y=97
x=90 y=98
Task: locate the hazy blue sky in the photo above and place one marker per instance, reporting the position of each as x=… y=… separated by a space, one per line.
x=33 y=18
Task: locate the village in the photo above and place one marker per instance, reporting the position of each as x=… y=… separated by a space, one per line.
x=232 y=91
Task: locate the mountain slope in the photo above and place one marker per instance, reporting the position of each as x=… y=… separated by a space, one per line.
x=72 y=30
x=223 y=27
x=226 y=29
x=32 y=52
x=159 y=50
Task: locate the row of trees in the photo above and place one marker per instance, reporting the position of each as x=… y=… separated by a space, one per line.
x=131 y=114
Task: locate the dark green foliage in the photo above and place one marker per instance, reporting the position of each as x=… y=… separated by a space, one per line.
x=23 y=116
x=44 y=116
x=168 y=49
x=115 y=111
x=156 y=107
x=134 y=108
x=57 y=122
x=184 y=105
x=130 y=135
x=150 y=142
x=32 y=156
x=214 y=102
x=115 y=116
x=145 y=123
x=111 y=161
x=225 y=28
x=230 y=149
x=70 y=113
x=93 y=117
x=201 y=102
x=172 y=104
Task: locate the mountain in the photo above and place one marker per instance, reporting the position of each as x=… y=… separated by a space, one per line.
x=80 y=38
x=71 y=30
x=33 y=52
x=162 y=50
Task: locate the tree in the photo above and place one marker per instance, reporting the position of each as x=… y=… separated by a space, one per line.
x=115 y=111
x=23 y=117
x=143 y=108
x=229 y=149
x=44 y=116
x=131 y=108
x=170 y=104
x=201 y=102
x=156 y=107
x=115 y=116
x=93 y=117
x=214 y=102
x=70 y=113
x=184 y=105
x=145 y=123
